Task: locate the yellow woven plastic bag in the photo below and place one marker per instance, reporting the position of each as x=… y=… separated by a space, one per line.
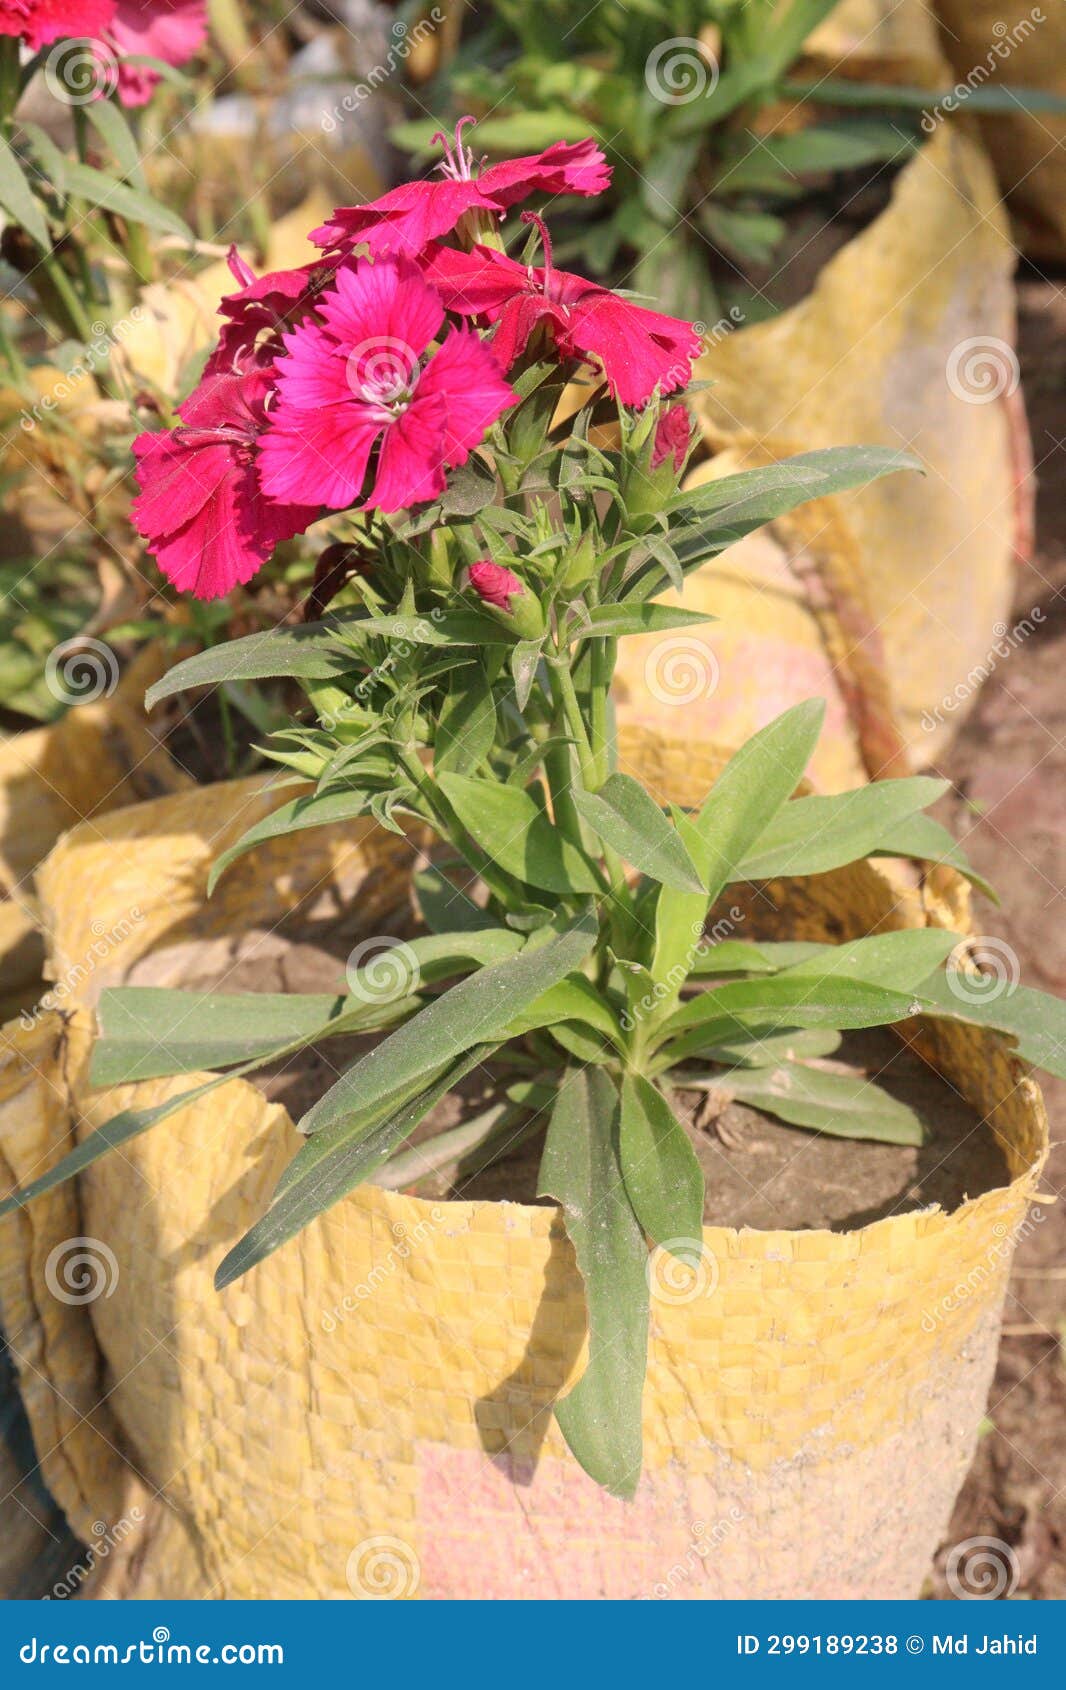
x=368 y=1413
x=988 y=43
x=889 y=600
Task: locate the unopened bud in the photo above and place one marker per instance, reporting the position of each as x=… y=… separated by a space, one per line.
x=507 y=598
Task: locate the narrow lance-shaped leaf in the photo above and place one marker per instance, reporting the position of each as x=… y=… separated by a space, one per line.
x=581 y=1170
x=477 y=1010
x=663 y=1177
x=303 y=1196
x=628 y=819
x=841 y=1105
x=814 y=834
x=510 y=826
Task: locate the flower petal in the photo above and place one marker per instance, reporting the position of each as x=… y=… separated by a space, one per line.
x=466 y=374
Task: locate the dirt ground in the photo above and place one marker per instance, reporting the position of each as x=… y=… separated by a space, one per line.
x=1009 y=765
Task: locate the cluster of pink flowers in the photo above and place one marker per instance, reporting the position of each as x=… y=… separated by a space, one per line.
x=168 y=30
x=361 y=379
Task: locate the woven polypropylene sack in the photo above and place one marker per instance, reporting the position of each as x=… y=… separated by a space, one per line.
x=370 y=1409
x=988 y=43
x=888 y=601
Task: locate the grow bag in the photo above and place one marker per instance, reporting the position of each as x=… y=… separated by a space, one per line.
x=1028 y=49
x=889 y=601
x=368 y=1413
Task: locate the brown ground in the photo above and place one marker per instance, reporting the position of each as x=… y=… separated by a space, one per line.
x=1010 y=763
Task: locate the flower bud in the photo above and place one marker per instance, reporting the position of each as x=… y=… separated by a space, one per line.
x=654 y=469
x=507 y=598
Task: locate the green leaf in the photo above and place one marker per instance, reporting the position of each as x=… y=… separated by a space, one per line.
x=843 y=1105
x=900 y=961
x=753 y=786
x=753 y=496
x=313 y=651
x=921 y=837
x=309 y=810
x=581 y=1170
x=17 y=198
x=614 y=621
x=524 y=660
x=512 y=828
x=466 y=729
x=148 y=1031
x=109 y=122
x=628 y=819
x=98 y=189
x=815 y=834
x=753 y=1049
x=1035 y=1019
x=663 y=1177
x=476 y=1011
x=781 y=1001
x=302 y=1199
x=446 y=909
x=575 y=1000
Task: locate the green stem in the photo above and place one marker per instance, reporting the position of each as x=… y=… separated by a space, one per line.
x=447 y=824
x=66 y=297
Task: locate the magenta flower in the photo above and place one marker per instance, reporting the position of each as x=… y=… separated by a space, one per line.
x=40 y=22
x=356 y=376
x=169 y=30
x=201 y=508
x=640 y=351
x=673 y=433
x=409 y=217
x=262 y=309
x=495 y=584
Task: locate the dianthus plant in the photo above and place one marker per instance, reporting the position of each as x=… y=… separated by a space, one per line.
x=504 y=447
